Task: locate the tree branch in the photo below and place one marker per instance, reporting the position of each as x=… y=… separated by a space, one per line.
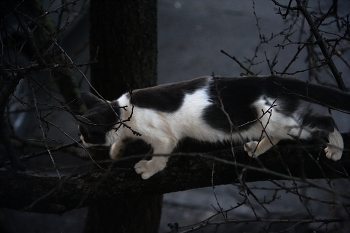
x=184 y=171
x=43 y=42
x=323 y=46
x=238 y=62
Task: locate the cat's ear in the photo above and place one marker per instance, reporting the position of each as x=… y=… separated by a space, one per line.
x=90 y=99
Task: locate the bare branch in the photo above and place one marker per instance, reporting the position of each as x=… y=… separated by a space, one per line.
x=49 y=52
x=323 y=46
x=238 y=62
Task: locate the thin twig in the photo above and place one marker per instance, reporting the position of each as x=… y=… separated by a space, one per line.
x=42 y=129
x=238 y=62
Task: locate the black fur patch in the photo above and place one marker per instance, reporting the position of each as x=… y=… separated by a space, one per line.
x=166 y=98
x=234 y=97
x=324 y=123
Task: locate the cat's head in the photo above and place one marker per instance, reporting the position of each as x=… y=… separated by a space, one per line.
x=98 y=121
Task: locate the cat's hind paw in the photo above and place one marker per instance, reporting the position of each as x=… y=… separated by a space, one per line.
x=250 y=148
x=148 y=168
x=333 y=152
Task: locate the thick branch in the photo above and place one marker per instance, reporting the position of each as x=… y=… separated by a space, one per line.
x=52 y=195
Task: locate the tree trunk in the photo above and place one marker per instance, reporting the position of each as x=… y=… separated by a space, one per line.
x=123 y=39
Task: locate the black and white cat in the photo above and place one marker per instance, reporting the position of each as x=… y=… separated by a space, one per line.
x=257 y=111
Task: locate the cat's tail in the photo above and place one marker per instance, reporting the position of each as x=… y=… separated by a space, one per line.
x=322 y=95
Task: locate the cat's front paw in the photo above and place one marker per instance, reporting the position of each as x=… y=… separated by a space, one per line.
x=148 y=168
x=333 y=152
x=142 y=168
x=250 y=148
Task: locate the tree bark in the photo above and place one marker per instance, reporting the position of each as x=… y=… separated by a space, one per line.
x=120 y=183
x=123 y=39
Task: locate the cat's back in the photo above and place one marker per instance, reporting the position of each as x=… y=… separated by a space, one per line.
x=239 y=91
x=167 y=97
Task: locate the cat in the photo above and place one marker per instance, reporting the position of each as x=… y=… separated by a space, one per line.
x=257 y=111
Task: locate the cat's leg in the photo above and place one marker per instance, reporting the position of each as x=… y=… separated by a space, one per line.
x=147 y=168
x=117 y=148
x=326 y=124
x=335 y=147
x=255 y=148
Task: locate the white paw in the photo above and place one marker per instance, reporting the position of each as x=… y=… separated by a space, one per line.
x=148 y=168
x=250 y=148
x=142 y=168
x=333 y=153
